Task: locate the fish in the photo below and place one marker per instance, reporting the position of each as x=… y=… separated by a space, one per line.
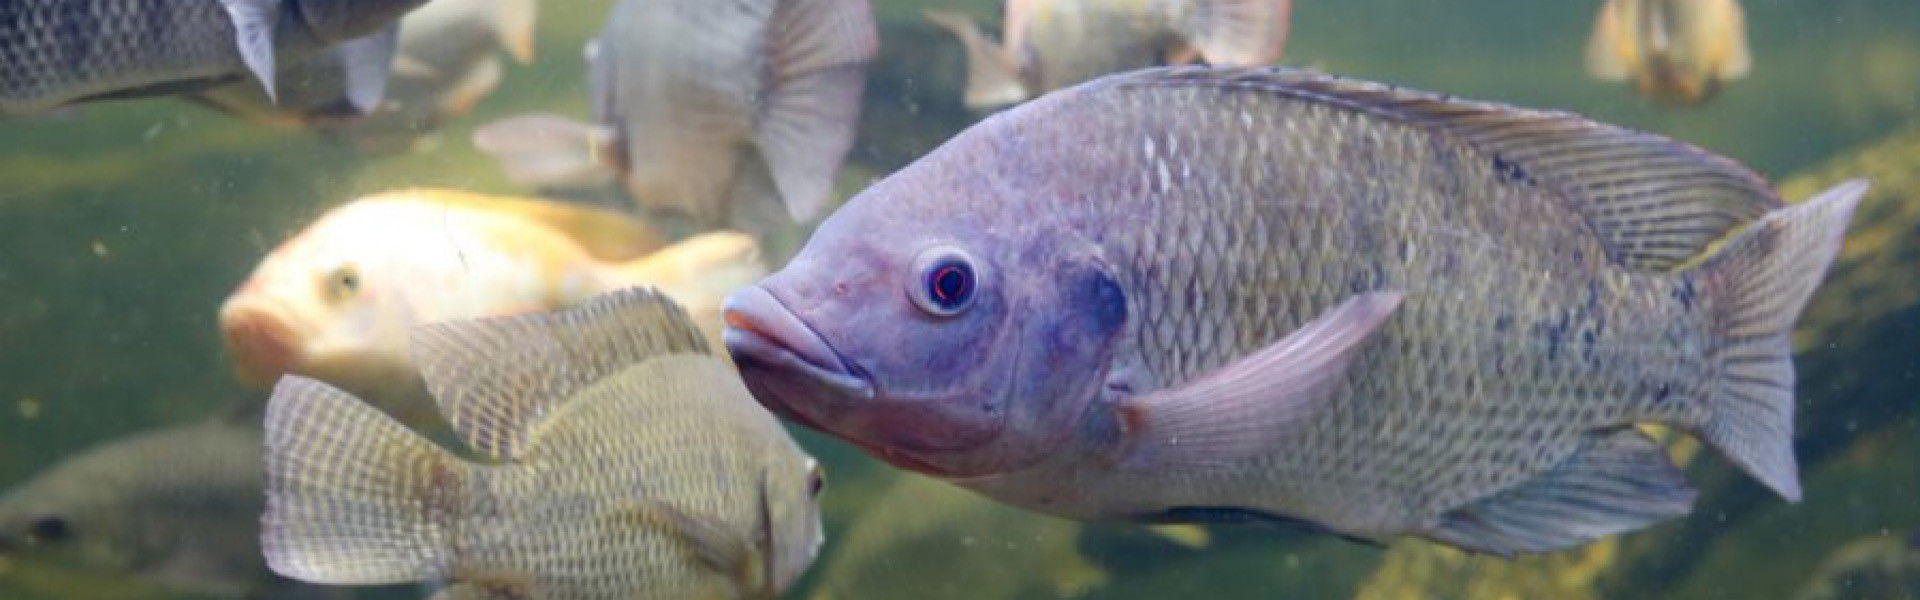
x=696 y=104
x=1051 y=44
x=624 y=459
x=1213 y=294
x=55 y=53
x=1674 y=51
x=336 y=301
x=172 y=506
x=447 y=60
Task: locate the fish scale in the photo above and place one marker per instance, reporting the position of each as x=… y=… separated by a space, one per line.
x=54 y=50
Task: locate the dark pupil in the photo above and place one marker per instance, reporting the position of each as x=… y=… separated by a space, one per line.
x=52 y=529
x=951 y=284
x=349 y=281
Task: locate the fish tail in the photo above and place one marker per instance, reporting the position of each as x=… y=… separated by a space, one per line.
x=1757 y=285
x=699 y=272
x=353 y=496
x=993 y=76
x=1244 y=33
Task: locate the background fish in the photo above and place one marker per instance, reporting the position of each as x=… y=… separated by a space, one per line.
x=681 y=90
x=337 y=301
x=1677 y=51
x=448 y=59
x=1051 y=44
x=1201 y=294
x=626 y=461
x=56 y=52
x=170 y=505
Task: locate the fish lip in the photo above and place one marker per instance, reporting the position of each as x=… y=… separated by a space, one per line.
x=262 y=343
x=761 y=329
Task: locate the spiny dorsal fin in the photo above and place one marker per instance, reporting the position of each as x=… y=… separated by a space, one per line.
x=497 y=378
x=605 y=234
x=1654 y=202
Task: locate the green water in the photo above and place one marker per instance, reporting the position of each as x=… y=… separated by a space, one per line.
x=123 y=226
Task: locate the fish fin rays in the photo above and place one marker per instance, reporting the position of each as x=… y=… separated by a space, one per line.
x=351 y=493
x=993 y=76
x=498 y=379
x=1239 y=32
x=1757 y=286
x=367 y=61
x=1653 y=202
x=713 y=544
x=551 y=150
x=1241 y=408
x=253 y=23
x=818 y=54
x=1615 y=482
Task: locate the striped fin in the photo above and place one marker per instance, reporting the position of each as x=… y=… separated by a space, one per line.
x=817 y=69
x=1654 y=202
x=353 y=497
x=497 y=378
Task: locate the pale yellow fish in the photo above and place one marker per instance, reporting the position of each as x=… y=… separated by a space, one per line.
x=1674 y=51
x=1051 y=44
x=336 y=301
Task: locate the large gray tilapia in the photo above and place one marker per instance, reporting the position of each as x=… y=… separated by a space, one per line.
x=626 y=462
x=56 y=52
x=1199 y=293
x=718 y=110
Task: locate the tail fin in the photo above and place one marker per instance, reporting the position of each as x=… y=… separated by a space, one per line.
x=353 y=497
x=1757 y=285
x=1242 y=33
x=993 y=76
x=550 y=150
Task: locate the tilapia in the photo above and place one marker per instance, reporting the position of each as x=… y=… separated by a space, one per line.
x=58 y=52
x=447 y=60
x=173 y=506
x=697 y=103
x=1674 y=51
x=1051 y=44
x=625 y=461
x=1195 y=294
x=336 y=301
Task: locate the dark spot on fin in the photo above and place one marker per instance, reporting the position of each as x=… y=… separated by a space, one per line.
x=1510 y=171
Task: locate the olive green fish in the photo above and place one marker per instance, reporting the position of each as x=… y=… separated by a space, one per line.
x=1193 y=294
x=625 y=461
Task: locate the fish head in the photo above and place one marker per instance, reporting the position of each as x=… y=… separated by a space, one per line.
x=937 y=338
x=341 y=20
x=69 y=515
x=793 y=511
x=324 y=305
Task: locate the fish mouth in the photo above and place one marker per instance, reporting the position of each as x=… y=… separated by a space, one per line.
x=264 y=346
x=762 y=332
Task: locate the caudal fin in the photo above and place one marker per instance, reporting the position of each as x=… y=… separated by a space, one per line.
x=352 y=495
x=1241 y=33
x=1757 y=285
x=993 y=76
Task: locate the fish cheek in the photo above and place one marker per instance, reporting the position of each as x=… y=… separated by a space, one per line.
x=1071 y=341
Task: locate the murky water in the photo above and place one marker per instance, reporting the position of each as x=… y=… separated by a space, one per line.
x=124 y=224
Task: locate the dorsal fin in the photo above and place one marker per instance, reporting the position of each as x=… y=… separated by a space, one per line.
x=605 y=234
x=1654 y=202
x=497 y=378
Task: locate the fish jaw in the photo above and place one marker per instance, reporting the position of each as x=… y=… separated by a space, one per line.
x=263 y=343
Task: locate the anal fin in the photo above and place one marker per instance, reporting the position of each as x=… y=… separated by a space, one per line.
x=1618 y=481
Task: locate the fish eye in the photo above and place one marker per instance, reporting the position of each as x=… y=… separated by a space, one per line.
x=343 y=283
x=816 y=480
x=946 y=281
x=50 y=529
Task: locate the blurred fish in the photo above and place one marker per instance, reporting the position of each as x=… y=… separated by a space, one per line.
x=681 y=90
x=1218 y=294
x=1051 y=44
x=448 y=59
x=174 y=506
x=625 y=460
x=1676 y=51
x=57 y=52
x=336 y=301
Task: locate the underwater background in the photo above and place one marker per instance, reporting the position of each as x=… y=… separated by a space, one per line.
x=124 y=224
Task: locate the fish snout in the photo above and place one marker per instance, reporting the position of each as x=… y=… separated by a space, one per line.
x=790 y=367
x=264 y=346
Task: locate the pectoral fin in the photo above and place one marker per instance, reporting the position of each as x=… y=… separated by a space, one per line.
x=549 y=150
x=1243 y=407
x=253 y=36
x=711 y=542
x=368 y=59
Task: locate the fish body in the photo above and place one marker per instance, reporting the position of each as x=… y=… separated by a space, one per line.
x=625 y=462
x=1205 y=294
x=682 y=92
x=58 y=52
x=336 y=301
x=448 y=59
x=170 y=505
x=1674 y=51
x=1052 y=44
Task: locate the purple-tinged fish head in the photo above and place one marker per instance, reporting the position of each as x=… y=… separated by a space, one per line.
x=928 y=332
